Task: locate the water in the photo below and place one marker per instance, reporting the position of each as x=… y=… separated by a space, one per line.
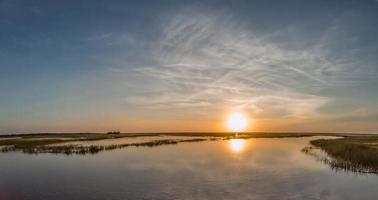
x=234 y=169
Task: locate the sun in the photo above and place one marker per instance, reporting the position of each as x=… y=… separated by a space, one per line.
x=237 y=122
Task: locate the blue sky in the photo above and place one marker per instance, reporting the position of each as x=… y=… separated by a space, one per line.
x=68 y=66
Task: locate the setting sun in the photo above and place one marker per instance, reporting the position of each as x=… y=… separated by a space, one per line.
x=237 y=122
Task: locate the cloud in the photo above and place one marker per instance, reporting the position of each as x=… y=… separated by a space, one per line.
x=162 y=101
x=204 y=59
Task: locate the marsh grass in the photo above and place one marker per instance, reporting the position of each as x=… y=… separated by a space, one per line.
x=93 y=149
x=49 y=143
x=32 y=140
x=352 y=153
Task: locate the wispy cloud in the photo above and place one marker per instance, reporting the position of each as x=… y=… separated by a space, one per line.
x=208 y=59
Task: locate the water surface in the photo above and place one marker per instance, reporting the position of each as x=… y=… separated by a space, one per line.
x=264 y=168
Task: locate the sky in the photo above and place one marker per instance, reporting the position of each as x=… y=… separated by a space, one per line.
x=165 y=66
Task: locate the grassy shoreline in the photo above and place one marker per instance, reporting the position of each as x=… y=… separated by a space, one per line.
x=355 y=151
x=92 y=149
x=49 y=143
x=350 y=153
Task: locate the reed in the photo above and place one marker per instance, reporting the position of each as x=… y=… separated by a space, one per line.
x=353 y=153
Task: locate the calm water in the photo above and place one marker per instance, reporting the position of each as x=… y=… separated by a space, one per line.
x=236 y=169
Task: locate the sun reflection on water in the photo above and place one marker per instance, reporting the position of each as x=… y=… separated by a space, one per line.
x=237 y=145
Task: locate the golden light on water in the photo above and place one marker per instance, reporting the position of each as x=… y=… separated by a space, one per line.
x=237 y=122
x=237 y=145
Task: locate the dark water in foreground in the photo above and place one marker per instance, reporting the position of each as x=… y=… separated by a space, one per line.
x=235 y=169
